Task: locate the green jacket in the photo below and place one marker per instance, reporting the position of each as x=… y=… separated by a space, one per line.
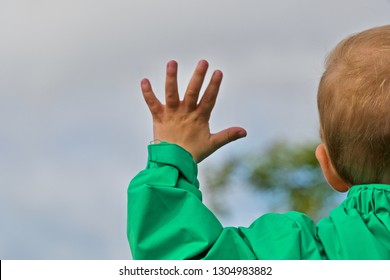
x=167 y=220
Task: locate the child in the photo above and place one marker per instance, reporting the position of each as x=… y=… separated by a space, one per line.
x=167 y=220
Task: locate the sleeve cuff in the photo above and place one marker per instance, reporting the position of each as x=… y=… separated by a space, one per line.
x=174 y=155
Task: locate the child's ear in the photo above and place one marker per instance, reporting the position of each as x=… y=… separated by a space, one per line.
x=329 y=171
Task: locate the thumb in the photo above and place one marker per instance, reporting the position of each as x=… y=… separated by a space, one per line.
x=226 y=136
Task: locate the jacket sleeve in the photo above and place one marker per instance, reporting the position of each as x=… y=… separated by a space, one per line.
x=167 y=219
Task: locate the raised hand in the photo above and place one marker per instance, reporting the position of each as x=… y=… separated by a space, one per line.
x=186 y=122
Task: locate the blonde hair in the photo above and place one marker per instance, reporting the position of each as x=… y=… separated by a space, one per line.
x=354 y=107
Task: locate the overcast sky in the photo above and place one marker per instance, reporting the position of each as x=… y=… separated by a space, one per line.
x=74 y=126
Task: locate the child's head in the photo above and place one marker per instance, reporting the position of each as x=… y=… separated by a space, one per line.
x=354 y=107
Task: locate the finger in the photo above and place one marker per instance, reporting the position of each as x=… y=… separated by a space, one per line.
x=209 y=98
x=150 y=98
x=226 y=136
x=195 y=84
x=171 y=93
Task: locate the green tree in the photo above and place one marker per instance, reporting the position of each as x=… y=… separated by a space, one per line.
x=290 y=174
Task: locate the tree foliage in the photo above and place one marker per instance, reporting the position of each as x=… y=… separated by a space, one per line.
x=290 y=174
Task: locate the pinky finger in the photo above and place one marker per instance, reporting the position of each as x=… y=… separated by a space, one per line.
x=150 y=98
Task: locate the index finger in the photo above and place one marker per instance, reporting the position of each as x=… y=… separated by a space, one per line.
x=209 y=97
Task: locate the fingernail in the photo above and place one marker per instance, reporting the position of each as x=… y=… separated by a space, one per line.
x=242 y=133
x=218 y=73
x=172 y=65
x=203 y=63
x=144 y=82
